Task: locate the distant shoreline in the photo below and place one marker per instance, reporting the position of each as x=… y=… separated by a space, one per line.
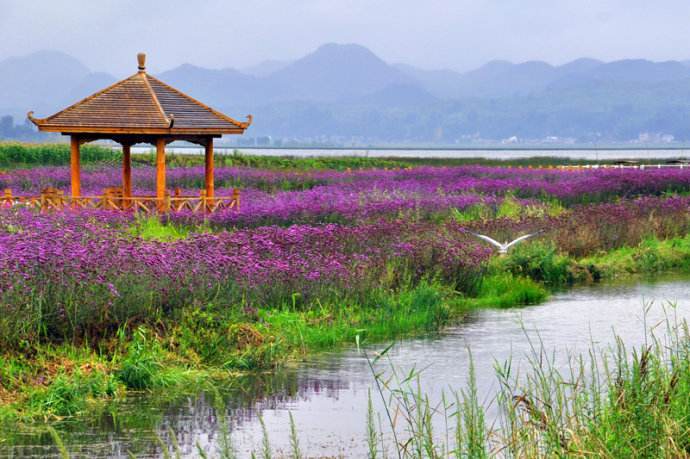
x=505 y=153
x=687 y=147
x=542 y=148
x=608 y=148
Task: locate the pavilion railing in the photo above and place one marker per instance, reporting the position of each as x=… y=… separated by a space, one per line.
x=113 y=199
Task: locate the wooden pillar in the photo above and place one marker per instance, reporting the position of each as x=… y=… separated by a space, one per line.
x=160 y=172
x=75 y=168
x=209 y=169
x=126 y=174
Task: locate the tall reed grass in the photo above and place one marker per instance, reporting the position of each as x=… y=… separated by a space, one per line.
x=613 y=402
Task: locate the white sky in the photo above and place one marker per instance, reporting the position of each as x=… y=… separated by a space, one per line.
x=457 y=34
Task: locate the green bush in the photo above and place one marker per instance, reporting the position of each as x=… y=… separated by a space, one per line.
x=506 y=290
x=539 y=261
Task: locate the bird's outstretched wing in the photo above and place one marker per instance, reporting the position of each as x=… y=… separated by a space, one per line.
x=489 y=240
x=522 y=238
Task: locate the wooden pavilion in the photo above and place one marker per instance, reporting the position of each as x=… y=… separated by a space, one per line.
x=143 y=109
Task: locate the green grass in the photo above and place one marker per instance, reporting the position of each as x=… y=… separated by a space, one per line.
x=278 y=162
x=649 y=257
x=21 y=155
x=240 y=158
x=56 y=381
x=423 y=308
x=510 y=208
x=541 y=262
x=151 y=228
x=341 y=163
x=506 y=290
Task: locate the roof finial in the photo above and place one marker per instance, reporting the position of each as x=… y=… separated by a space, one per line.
x=141 y=58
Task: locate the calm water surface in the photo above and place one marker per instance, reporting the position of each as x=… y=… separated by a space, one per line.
x=328 y=395
x=494 y=153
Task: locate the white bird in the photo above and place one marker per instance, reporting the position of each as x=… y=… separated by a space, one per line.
x=503 y=247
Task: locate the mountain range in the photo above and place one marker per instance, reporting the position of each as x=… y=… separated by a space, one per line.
x=346 y=93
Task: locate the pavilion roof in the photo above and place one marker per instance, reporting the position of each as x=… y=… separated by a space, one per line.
x=141 y=104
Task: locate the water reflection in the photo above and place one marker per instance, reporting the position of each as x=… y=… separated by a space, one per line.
x=328 y=394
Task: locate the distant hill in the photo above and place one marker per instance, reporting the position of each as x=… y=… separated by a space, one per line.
x=91 y=83
x=38 y=81
x=501 y=79
x=640 y=70
x=265 y=68
x=335 y=72
x=224 y=88
x=409 y=96
x=331 y=73
x=347 y=92
x=441 y=83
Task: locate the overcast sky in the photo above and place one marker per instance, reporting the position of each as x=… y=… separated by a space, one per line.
x=457 y=34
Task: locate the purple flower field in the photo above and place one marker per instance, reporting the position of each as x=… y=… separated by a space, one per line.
x=318 y=235
x=281 y=197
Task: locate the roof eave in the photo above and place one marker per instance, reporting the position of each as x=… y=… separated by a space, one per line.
x=38 y=122
x=145 y=131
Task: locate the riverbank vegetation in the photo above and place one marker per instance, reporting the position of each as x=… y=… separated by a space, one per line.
x=96 y=303
x=609 y=402
x=612 y=401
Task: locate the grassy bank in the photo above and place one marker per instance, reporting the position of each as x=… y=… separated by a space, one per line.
x=543 y=263
x=57 y=380
x=214 y=341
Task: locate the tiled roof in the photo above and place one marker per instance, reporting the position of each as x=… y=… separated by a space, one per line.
x=141 y=104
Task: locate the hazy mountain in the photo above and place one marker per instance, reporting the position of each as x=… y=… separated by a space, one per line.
x=346 y=91
x=640 y=70
x=334 y=72
x=331 y=73
x=410 y=96
x=265 y=68
x=497 y=78
x=88 y=85
x=38 y=81
x=441 y=83
x=220 y=88
x=578 y=66
x=501 y=79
